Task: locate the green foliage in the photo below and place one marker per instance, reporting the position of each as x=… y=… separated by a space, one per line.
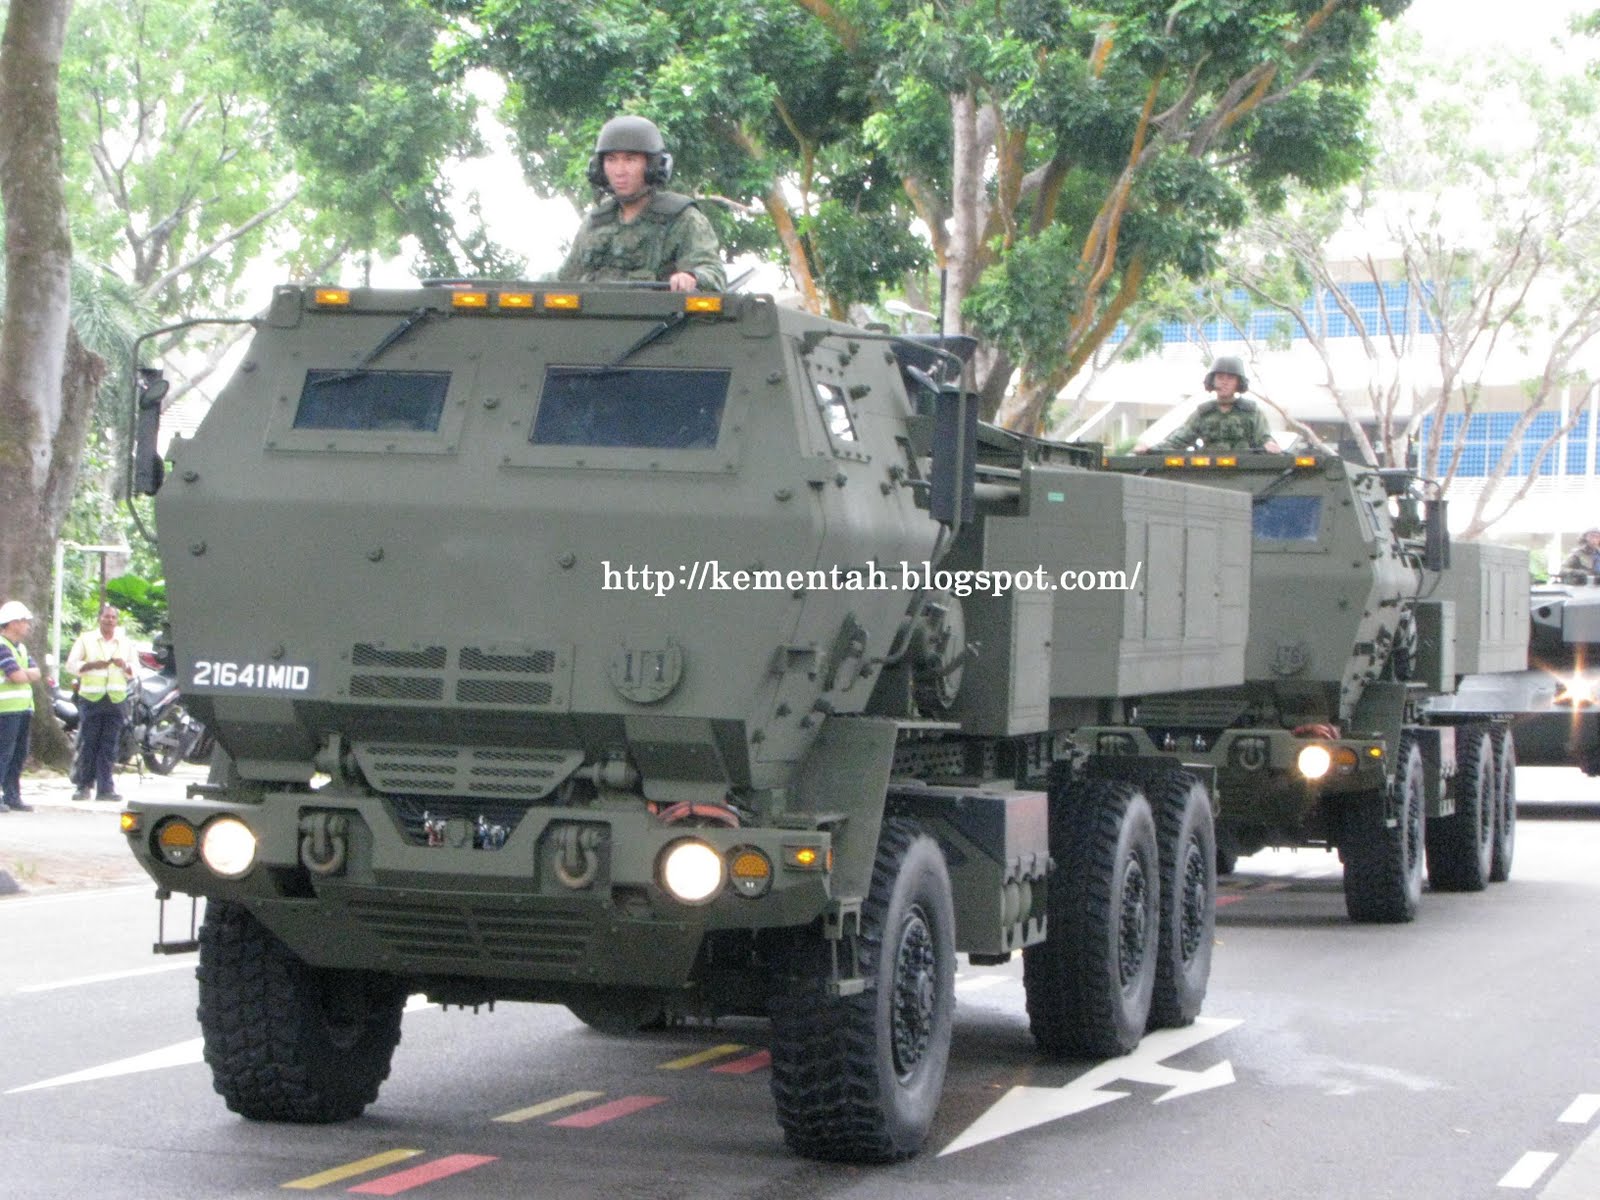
x=143 y=601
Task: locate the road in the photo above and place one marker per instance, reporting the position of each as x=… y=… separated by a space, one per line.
x=1452 y=1058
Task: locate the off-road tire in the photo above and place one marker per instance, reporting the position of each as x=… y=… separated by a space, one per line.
x=1383 y=866
x=858 y=1078
x=1505 y=804
x=1461 y=846
x=286 y=1041
x=1089 y=983
x=1187 y=842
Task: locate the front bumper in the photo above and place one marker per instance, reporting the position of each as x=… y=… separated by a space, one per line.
x=571 y=895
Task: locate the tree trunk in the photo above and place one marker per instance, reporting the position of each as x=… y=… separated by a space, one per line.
x=47 y=380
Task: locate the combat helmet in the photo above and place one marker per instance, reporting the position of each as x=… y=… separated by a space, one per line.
x=1228 y=364
x=638 y=135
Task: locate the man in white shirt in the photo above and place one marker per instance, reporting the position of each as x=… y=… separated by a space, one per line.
x=103 y=661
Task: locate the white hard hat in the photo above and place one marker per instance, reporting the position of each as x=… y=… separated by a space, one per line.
x=14 y=610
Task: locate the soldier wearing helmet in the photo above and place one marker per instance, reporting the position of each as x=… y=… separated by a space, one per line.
x=639 y=231
x=1230 y=422
x=1586 y=557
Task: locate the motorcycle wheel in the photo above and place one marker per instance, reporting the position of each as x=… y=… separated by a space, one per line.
x=166 y=741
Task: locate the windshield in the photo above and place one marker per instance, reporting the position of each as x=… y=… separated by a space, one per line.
x=1287 y=518
x=642 y=407
x=407 y=401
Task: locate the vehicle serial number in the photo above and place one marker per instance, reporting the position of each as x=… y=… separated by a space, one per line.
x=251 y=676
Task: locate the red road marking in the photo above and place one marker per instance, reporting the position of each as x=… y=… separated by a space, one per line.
x=1224 y=901
x=439 y=1168
x=743 y=1066
x=602 y=1113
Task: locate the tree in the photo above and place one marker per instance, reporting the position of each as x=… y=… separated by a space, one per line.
x=1486 y=187
x=1070 y=153
x=47 y=378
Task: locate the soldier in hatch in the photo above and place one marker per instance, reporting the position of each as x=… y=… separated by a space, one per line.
x=1230 y=422
x=638 y=231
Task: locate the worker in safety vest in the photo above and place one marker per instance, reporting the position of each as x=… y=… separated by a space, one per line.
x=102 y=660
x=17 y=677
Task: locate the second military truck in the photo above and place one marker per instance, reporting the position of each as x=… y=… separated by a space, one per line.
x=1361 y=614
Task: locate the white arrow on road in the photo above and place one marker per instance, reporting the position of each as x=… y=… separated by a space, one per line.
x=180 y=1055
x=1024 y=1107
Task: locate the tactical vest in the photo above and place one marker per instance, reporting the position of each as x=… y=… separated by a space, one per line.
x=16 y=697
x=103 y=683
x=1237 y=429
x=636 y=250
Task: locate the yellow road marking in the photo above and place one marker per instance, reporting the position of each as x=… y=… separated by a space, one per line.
x=705 y=1056
x=359 y=1167
x=548 y=1106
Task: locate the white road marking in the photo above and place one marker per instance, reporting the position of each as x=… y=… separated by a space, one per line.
x=181 y=1055
x=1576 y=1178
x=108 y=977
x=1024 y=1107
x=1582 y=1110
x=1528 y=1169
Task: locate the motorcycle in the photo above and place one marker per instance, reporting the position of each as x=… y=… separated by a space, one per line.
x=159 y=728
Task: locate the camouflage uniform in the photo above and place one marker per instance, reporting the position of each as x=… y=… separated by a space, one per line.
x=1244 y=427
x=670 y=235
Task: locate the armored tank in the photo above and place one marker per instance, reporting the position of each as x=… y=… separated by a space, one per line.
x=1360 y=613
x=1552 y=706
x=662 y=656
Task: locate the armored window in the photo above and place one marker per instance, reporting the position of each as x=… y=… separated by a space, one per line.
x=1287 y=518
x=835 y=412
x=391 y=401
x=630 y=407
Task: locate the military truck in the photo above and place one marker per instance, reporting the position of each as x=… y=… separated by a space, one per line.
x=1360 y=613
x=669 y=655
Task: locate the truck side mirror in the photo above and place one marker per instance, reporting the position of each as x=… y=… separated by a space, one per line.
x=148 y=469
x=954 y=466
x=1436 y=536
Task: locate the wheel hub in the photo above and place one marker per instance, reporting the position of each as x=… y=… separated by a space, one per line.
x=915 y=996
x=1133 y=925
x=1194 y=901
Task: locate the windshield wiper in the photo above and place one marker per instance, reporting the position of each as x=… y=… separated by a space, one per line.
x=654 y=334
x=389 y=339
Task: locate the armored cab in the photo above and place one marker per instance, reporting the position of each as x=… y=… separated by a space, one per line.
x=1357 y=618
x=659 y=655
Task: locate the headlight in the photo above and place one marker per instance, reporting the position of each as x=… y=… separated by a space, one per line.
x=691 y=871
x=228 y=847
x=1314 y=761
x=1576 y=691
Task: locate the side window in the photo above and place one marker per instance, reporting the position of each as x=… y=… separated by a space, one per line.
x=836 y=413
x=1287 y=518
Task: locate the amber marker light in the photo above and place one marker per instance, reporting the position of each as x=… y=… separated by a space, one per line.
x=1200 y=460
x=336 y=297
x=803 y=858
x=129 y=821
x=1227 y=460
x=469 y=299
x=562 y=301
x=1305 y=460
x=702 y=304
x=515 y=300
x=1173 y=460
x=750 y=871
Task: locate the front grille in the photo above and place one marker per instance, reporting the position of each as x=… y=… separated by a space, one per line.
x=502 y=691
x=507 y=772
x=540 y=662
x=552 y=936
x=1205 y=712
x=511 y=677
x=396 y=687
x=364 y=654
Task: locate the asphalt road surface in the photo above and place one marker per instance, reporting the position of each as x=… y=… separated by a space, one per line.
x=1452 y=1058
